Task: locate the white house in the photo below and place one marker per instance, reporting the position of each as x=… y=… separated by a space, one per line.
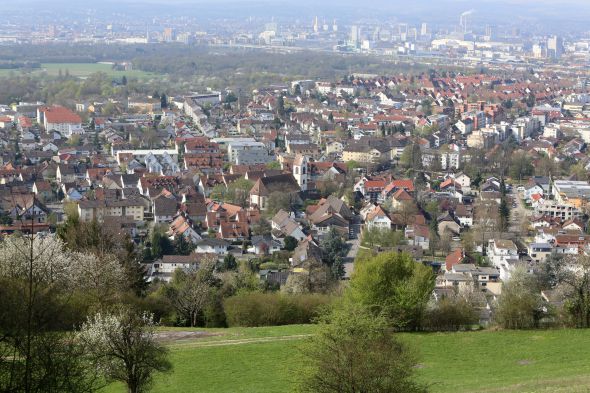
x=378 y=219
x=504 y=255
x=163 y=269
x=61 y=120
x=464 y=181
x=529 y=192
x=212 y=246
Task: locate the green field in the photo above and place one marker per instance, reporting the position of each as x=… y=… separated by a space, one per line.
x=265 y=360
x=82 y=70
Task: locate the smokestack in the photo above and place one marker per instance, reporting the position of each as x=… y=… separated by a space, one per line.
x=464 y=18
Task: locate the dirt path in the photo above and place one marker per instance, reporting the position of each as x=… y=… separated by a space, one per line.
x=238 y=341
x=173 y=336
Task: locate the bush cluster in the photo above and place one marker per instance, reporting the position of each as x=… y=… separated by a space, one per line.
x=269 y=309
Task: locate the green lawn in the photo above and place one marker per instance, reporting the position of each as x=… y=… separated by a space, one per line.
x=265 y=360
x=82 y=70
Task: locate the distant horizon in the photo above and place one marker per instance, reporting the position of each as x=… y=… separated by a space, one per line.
x=563 y=16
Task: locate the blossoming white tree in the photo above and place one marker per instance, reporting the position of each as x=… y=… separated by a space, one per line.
x=38 y=277
x=124 y=348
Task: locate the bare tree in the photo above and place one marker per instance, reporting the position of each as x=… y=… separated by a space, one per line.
x=190 y=292
x=573 y=277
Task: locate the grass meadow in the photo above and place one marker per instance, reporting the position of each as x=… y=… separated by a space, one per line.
x=265 y=360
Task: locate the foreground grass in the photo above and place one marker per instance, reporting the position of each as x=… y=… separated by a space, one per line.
x=265 y=360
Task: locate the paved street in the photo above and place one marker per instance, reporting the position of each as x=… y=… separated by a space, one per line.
x=518 y=213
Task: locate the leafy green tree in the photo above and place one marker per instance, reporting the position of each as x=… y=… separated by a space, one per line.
x=504 y=212
x=236 y=193
x=333 y=248
x=229 y=263
x=182 y=246
x=87 y=236
x=290 y=243
x=273 y=165
x=134 y=270
x=161 y=245
x=395 y=285
x=5 y=219
x=411 y=157
x=281 y=106
x=426 y=107
x=351 y=165
x=382 y=238
x=230 y=97
x=355 y=351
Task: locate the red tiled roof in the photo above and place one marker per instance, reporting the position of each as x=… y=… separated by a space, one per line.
x=374 y=184
x=453 y=258
x=402 y=195
x=59 y=114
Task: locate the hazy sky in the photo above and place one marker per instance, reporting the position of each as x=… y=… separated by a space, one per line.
x=549 y=11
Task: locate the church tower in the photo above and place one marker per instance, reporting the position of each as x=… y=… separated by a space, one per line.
x=301 y=171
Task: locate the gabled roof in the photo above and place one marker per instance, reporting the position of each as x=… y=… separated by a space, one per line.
x=327 y=207
x=233 y=230
x=284 y=183
x=377 y=212
x=454 y=258
x=164 y=206
x=401 y=195
x=307 y=249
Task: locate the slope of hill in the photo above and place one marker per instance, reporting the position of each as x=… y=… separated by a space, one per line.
x=265 y=360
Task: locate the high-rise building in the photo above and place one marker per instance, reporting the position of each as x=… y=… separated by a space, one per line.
x=272 y=26
x=168 y=34
x=538 y=51
x=403 y=28
x=334 y=26
x=489 y=31
x=424 y=29
x=554 y=47
x=316 y=26
x=355 y=36
x=376 y=34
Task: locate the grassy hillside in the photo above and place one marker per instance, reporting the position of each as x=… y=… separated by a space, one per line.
x=265 y=360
